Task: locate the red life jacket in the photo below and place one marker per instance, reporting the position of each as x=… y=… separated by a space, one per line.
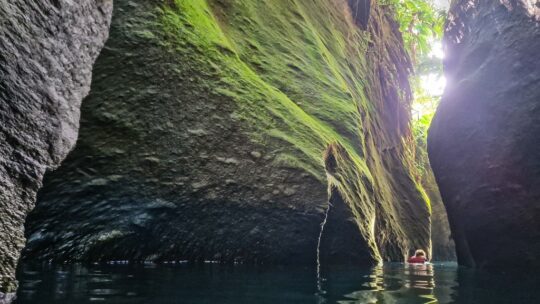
x=416 y=260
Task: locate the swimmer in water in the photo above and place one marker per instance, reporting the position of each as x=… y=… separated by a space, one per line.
x=419 y=257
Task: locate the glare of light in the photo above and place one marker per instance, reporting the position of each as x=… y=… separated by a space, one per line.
x=433 y=84
x=421 y=109
x=437 y=50
x=430 y=87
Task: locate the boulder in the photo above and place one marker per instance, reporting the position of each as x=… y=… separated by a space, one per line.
x=47 y=49
x=483 y=142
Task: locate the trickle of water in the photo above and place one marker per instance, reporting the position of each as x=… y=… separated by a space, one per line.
x=319 y=275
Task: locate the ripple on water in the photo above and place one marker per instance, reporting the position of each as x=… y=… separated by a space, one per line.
x=210 y=283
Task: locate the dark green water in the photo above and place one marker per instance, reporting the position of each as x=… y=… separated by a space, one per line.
x=391 y=283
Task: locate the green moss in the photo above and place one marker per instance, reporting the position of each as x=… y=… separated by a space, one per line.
x=8 y=285
x=420 y=132
x=291 y=77
x=424 y=195
x=298 y=76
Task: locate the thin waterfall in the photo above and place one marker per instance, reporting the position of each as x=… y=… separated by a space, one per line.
x=319 y=275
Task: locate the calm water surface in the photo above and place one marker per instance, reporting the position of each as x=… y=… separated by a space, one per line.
x=180 y=283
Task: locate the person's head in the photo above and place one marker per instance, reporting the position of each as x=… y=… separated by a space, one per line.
x=420 y=253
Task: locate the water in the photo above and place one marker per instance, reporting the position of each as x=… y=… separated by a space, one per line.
x=391 y=283
x=319 y=273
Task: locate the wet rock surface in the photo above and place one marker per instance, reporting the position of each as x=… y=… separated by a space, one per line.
x=443 y=247
x=193 y=147
x=342 y=242
x=47 y=49
x=483 y=142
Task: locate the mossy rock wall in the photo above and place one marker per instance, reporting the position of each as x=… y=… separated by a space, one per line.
x=204 y=134
x=442 y=243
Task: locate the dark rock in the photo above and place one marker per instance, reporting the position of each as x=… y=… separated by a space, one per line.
x=442 y=243
x=483 y=142
x=199 y=97
x=342 y=241
x=47 y=49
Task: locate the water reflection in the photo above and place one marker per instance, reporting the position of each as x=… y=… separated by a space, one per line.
x=391 y=283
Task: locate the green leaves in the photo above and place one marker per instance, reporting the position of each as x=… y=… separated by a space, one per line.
x=420 y=23
x=422 y=26
x=420 y=132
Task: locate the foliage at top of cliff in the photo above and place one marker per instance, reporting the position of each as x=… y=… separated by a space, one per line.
x=422 y=25
x=420 y=22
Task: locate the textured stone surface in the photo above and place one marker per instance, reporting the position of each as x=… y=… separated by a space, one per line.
x=204 y=133
x=443 y=247
x=7 y=298
x=47 y=49
x=483 y=142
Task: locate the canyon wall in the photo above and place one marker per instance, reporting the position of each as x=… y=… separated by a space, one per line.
x=483 y=141
x=205 y=132
x=443 y=248
x=47 y=49
x=442 y=243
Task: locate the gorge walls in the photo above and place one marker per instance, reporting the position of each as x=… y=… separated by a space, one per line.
x=483 y=142
x=204 y=134
x=47 y=49
x=443 y=247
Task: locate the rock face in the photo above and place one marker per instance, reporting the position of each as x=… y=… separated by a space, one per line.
x=204 y=133
x=47 y=49
x=443 y=247
x=483 y=142
x=442 y=243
